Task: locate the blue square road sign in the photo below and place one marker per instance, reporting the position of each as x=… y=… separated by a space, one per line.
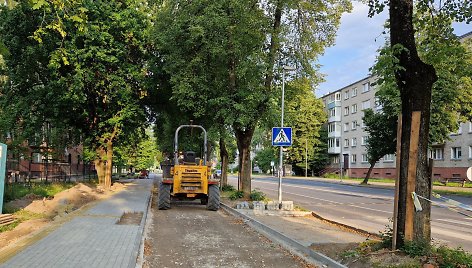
x=281 y=136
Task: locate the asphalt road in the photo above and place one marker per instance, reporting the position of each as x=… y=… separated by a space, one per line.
x=366 y=208
x=188 y=235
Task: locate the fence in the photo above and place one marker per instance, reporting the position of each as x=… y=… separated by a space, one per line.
x=27 y=171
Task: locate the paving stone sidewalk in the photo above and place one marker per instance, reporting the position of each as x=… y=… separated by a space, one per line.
x=93 y=239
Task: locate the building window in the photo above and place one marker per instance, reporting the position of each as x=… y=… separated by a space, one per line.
x=346 y=126
x=354 y=124
x=335 y=159
x=470 y=127
x=337 y=142
x=365 y=139
x=470 y=152
x=346 y=94
x=437 y=153
x=332 y=112
x=364 y=158
x=346 y=110
x=354 y=142
x=365 y=87
x=354 y=92
x=353 y=158
x=366 y=104
x=346 y=142
x=456 y=153
x=338 y=96
x=331 y=127
x=363 y=124
x=389 y=157
x=354 y=108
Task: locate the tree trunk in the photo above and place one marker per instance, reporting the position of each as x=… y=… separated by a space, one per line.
x=224 y=162
x=109 y=165
x=415 y=82
x=243 y=138
x=100 y=165
x=367 y=177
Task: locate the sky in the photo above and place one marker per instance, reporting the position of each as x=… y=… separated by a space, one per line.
x=358 y=39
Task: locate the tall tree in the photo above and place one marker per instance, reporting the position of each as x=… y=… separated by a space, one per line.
x=415 y=80
x=94 y=59
x=306 y=116
x=222 y=56
x=382 y=136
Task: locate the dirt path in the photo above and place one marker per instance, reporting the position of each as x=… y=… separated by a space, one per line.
x=188 y=235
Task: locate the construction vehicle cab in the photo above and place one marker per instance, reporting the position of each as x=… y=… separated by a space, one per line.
x=189 y=177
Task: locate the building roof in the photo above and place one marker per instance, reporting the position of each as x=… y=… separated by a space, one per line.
x=350 y=85
x=465 y=36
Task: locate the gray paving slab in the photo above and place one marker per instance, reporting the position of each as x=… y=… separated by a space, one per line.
x=93 y=239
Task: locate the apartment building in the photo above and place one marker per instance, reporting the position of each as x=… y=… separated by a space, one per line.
x=347 y=136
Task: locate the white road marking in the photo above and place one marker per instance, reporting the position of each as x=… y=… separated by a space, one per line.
x=331 y=191
x=383 y=211
x=456 y=221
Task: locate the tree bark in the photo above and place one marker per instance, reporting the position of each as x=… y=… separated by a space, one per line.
x=243 y=138
x=100 y=165
x=224 y=162
x=109 y=165
x=367 y=176
x=415 y=82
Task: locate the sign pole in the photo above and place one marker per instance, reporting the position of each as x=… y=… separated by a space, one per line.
x=3 y=162
x=281 y=153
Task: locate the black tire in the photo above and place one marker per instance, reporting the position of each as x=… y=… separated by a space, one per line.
x=163 y=201
x=213 y=197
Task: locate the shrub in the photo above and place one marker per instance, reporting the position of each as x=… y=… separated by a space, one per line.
x=417 y=248
x=257 y=195
x=236 y=195
x=228 y=188
x=453 y=257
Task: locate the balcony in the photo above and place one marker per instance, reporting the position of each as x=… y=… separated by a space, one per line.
x=334 y=150
x=334 y=134
x=333 y=104
x=334 y=119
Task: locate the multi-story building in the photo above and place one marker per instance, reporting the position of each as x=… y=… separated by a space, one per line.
x=347 y=136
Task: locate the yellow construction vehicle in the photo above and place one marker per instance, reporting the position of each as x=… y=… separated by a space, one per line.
x=189 y=178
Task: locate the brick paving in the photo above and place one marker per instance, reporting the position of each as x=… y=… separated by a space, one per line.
x=93 y=239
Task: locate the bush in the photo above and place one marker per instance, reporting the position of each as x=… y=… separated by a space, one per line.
x=257 y=195
x=236 y=195
x=453 y=257
x=417 y=248
x=228 y=188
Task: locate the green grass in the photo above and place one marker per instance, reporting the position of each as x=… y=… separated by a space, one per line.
x=9 y=227
x=17 y=191
x=20 y=216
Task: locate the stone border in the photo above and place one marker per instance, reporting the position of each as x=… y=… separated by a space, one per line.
x=137 y=253
x=291 y=245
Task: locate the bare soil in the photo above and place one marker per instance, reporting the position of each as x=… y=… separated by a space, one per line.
x=48 y=210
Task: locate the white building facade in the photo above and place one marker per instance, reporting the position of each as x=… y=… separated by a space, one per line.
x=347 y=136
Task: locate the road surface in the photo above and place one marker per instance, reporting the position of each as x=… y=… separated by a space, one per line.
x=188 y=235
x=366 y=208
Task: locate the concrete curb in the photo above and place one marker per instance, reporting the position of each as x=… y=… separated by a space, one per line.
x=293 y=246
x=348 y=227
x=137 y=253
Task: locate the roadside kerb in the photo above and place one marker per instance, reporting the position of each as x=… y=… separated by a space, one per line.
x=138 y=250
x=293 y=246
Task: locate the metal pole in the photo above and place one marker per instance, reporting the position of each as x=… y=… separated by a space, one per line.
x=306 y=158
x=281 y=147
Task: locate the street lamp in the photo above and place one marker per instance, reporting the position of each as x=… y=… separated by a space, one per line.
x=284 y=68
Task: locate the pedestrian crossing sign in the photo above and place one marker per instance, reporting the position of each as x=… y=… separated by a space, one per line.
x=281 y=136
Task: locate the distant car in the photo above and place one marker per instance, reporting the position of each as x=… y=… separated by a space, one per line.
x=143 y=174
